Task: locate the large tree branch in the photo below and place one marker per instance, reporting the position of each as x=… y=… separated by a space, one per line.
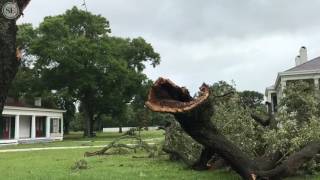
x=262 y=121
x=293 y=162
x=115 y=144
x=268 y=121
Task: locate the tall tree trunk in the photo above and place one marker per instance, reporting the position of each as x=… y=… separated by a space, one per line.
x=88 y=123
x=92 y=120
x=9 y=56
x=194 y=116
x=99 y=123
x=8 y=61
x=88 y=129
x=88 y=108
x=66 y=125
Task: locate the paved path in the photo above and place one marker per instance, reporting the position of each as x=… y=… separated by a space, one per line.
x=56 y=148
x=151 y=139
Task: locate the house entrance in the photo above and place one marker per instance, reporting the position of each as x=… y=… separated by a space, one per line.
x=7 y=128
x=40 y=126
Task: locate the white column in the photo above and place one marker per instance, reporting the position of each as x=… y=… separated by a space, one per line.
x=48 y=127
x=61 y=126
x=316 y=87
x=33 y=127
x=283 y=87
x=316 y=83
x=269 y=96
x=17 y=127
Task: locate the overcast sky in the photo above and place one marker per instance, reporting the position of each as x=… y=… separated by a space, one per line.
x=248 y=41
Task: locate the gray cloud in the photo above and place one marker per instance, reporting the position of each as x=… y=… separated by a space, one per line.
x=209 y=40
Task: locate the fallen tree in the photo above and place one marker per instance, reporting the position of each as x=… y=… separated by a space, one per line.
x=194 y=116
x=10 y=55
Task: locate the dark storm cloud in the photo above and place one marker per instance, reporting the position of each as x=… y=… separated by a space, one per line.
x=209 y=40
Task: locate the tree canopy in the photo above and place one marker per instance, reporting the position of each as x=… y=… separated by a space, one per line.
x=74 y=55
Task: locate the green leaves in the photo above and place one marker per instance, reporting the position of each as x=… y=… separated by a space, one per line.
x=251 y=99
x=300 y=99
x=234 y=120
x=297 y=122
x=74 y=51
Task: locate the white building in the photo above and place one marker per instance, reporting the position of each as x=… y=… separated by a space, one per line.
x=22 y=123
x=304 y=70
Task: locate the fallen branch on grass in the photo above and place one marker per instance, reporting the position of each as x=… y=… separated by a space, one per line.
x=116 y=144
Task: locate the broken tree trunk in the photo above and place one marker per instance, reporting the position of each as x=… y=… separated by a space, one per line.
x=9 y=55
x=194 y=116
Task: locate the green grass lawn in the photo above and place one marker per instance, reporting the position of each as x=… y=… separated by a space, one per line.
x=56 y=164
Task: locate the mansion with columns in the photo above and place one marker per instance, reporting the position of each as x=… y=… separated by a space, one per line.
x=23 y=123
x=304 y=70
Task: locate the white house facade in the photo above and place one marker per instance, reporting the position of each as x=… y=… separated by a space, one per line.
x=304 y=70
x=30 y=124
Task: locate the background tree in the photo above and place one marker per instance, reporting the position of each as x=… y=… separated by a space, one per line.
x=75 y=56
x=251 y=99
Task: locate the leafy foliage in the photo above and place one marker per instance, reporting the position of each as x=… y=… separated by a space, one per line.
x=234 y=120
x=74 y=55
x=297 y=122
x=301 y=100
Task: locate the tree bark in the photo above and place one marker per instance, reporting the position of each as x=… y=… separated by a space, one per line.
x=89 y=111
x=194 y=116
x=66 y=126
x=88 y=130
x=180 y=146
x=9 y=56
x=88 y=124
x=120 y=129
x=265 y=121
x=205 y=157
x=290 y=166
